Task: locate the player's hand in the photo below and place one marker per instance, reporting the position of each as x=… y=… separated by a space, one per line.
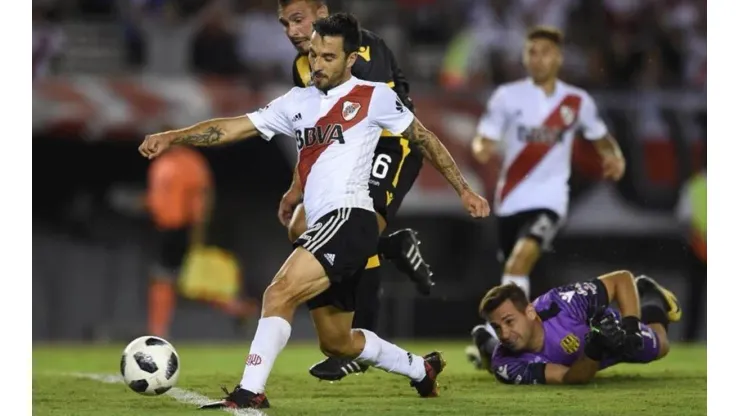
x=613 y=167
x=287 y=205
x=606 y=336
x=475 y=204
x=633 y=342
x=155 y=144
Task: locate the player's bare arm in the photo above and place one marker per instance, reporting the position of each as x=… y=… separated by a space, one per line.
x=484 y=148
x=291 y=198
x=581 y=372
x=434 y=151
x=605 y=336
x=611 y=155
x=206 y=133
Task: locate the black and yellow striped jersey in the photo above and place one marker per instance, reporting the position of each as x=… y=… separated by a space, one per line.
x=375 y=63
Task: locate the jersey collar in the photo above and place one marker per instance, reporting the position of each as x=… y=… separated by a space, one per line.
x=556 y=91
x=341 y=89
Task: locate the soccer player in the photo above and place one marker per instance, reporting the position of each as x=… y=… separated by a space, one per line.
x=533 y=123
x=396 y=165
x=336 y=123
x=569 y=333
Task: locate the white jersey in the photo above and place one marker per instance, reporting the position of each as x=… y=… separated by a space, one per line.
x=536 y=132
x=336 y=134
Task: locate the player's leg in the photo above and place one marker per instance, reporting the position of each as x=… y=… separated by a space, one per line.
x=659 y=307
x=301 y=278
x=537 y=230
x=162 y=296
x=338 y=339
x=395 y=169
x=367 y=306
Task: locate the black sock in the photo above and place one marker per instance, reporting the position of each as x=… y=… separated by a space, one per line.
x=388 y=248
x=654 y=313
x=367 y=306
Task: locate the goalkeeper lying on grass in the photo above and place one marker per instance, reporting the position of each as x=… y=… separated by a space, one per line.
x=568 y=334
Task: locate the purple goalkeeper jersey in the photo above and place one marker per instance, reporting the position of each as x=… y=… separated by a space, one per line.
x=564 y=312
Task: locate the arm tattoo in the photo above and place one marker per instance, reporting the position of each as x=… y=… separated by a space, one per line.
x=434 y=151
x=211 y=135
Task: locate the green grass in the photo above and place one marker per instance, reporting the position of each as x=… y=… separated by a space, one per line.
x=676 y=385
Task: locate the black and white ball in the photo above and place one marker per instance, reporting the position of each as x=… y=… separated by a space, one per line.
x=150 y=365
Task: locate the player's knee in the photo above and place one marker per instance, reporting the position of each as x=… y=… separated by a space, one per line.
x=523 y=257
x=663 y=341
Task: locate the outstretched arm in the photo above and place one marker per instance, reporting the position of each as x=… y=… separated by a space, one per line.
x=205 y=133
x=215 y=131
x=436 y=152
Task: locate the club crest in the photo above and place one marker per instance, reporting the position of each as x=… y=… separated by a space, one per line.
x=349 y=110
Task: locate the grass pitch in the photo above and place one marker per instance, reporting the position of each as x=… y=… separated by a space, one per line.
x=676 y=385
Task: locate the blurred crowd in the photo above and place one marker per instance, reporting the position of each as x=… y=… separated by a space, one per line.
x=455 y=43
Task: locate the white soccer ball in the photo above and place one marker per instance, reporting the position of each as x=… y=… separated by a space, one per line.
x=150 y=365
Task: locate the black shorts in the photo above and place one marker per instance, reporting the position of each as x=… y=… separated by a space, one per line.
x=396 y=166
x=539 y=224
x=172 y=247
x=341 y=241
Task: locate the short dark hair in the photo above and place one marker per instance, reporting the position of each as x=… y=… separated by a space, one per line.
x=341 y=24
x=500 y=294
x=546 y=32
x=286 y=3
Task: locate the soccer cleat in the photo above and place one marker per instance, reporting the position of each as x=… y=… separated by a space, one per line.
x=647 y=284
x=239 y=399
x=428 y=386
x=480 y=353
x=335 y=369
x=402 y=248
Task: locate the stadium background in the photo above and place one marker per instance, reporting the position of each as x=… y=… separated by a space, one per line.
x=97 y=92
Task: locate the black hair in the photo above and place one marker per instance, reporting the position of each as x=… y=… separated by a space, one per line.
x=500 y=294
x=341 y=24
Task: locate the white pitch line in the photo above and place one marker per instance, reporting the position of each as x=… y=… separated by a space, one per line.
x=181 y=395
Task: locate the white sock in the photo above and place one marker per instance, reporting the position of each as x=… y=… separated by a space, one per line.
x=270 y=338
x=521 y=281
x=391 y=358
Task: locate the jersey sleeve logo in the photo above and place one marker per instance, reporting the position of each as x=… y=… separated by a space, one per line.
x=350 y=110
x=399 y=104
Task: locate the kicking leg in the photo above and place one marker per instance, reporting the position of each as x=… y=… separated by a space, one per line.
x=365 y=317
x=300 y=278
x=338 y=339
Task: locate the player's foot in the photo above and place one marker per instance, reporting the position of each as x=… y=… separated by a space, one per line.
x=433 y=365
x=479 y=354
x=239 y=399
x=402 y=248
x=334 y=369
x=647 y=284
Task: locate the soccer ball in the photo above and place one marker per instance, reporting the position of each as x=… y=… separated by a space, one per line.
x=150 y=365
